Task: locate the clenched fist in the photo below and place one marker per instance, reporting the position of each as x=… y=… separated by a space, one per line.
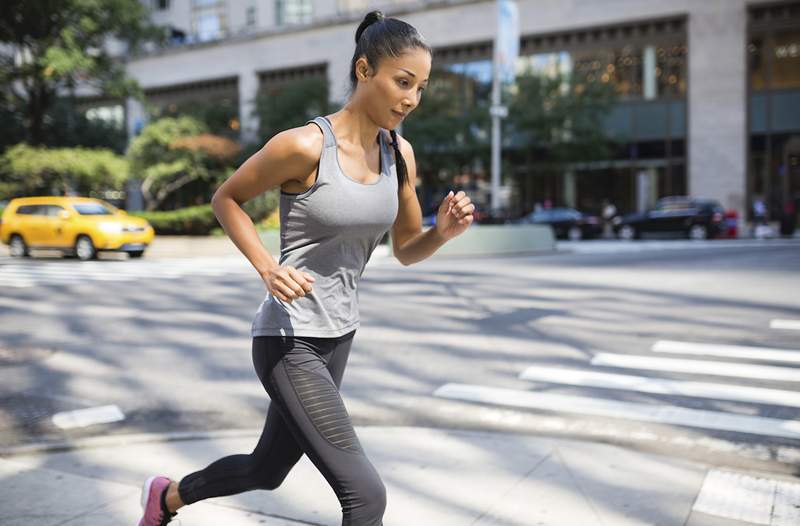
x=287 y=283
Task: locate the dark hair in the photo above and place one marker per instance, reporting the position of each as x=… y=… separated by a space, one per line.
x=378 y=37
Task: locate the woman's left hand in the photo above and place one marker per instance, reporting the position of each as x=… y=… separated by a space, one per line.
x=454 y=215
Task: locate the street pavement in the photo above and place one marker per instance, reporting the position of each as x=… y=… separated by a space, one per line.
x=444 y=476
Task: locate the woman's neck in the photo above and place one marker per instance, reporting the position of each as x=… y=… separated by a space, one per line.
x=354 y=127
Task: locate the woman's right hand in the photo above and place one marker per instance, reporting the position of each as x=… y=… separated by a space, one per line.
x=287 y=283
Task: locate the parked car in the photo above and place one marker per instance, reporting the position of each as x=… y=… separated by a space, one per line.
x=695 y=218
x=79 y=226
x=567 y=223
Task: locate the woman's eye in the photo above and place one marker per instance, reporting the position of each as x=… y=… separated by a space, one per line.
x=403 y=82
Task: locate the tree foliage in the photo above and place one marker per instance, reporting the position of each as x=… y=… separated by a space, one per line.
x=177 y=154
x=52 y=46
x=30 y=170
x=290 y=104
x=562 y=116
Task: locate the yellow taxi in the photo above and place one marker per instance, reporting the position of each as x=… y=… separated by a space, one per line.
x=79 y=226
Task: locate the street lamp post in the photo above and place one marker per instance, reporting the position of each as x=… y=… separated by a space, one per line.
x=506 y=49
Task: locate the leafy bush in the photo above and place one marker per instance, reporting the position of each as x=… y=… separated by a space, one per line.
x=193 y=220
x=201 y=221
x=28 y=170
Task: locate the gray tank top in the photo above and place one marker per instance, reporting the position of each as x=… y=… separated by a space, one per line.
x=330 y=231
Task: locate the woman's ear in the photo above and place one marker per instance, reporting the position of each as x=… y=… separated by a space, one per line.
x=363 y=71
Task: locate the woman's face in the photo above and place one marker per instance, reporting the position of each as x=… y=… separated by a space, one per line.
x=396 y=88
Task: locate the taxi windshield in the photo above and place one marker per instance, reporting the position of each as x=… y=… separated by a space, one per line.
x=92 y=209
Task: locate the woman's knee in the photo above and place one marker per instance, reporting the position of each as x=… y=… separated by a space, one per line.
x=370 y=504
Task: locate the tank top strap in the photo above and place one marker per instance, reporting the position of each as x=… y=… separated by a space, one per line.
x=327 y=132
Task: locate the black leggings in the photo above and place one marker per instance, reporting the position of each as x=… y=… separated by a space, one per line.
x=302 y=376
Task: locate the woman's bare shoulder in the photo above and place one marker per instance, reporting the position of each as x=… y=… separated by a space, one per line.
x=302 y=143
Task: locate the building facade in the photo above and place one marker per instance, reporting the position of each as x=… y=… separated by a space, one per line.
x=708 y=92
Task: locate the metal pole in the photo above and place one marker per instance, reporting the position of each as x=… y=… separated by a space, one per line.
x=496 y=97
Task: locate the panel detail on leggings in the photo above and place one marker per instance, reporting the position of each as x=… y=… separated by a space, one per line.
x=330 y=231
x=324 y=406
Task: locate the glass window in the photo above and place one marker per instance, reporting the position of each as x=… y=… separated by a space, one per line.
x=92 y=209
x=755 y=53
x=671 y=70
x=250 y=15
x=27 y=210
x=209 y=21
x=786 y=60
x=292 y=12
x=53 y=210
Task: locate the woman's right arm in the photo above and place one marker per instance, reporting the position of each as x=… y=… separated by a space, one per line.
x=291 y=154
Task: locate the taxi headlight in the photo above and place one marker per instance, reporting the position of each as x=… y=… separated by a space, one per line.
x=111 y=228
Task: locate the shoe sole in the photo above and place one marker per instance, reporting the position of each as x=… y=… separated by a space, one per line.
x=146 y=491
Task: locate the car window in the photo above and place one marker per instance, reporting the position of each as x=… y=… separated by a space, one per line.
x=92 y=209
x=29 y=210
x=539 y=217
x=53 y=210
x=25 y=210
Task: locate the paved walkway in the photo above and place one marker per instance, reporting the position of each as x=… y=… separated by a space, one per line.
x=433 y=477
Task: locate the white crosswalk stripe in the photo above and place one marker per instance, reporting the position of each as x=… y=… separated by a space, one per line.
x=592 y=380
x=645 y=384
x=664 y=414
x=728 y=351
x=790 y=325
x=712 y=368
x=33 y=273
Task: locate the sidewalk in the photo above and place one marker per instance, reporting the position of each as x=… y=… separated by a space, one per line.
x=433 y=477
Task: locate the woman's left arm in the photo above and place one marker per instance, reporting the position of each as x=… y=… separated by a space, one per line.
x=409 y=243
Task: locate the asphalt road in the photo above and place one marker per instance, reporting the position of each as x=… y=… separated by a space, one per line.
x=598 y=342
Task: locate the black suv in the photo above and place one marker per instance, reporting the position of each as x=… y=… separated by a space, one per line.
x=695 y=218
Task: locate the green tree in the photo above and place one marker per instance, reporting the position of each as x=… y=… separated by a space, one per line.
x=217 y=115
x=30 y=170
x=52 y=46
x=177 y=154
x=562 y=116
x=449 y=128
x=290 y=104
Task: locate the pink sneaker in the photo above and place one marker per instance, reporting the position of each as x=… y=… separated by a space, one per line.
x=154 y=493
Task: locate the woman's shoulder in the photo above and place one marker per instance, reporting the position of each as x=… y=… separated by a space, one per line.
x=301 y=143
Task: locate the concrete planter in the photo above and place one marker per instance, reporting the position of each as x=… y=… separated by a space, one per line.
x=478 y=240
x=493 y=240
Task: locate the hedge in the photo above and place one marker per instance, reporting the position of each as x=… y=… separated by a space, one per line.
x=200 y=220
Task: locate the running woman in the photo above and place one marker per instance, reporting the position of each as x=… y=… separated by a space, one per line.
x=345 y=180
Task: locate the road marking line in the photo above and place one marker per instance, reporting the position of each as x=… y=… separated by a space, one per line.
x=661 y=386
x=664 y=414
x=793 y=325
x=749 y=499
x=761 y=372
x=86 y=417
x=729 y=351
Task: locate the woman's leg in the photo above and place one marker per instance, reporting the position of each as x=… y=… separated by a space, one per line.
x=265 y=468
x=303 y=380
x=297 y=373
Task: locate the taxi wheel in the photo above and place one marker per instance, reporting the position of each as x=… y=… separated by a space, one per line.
x=17 y=247
x=136 y=253
x=84 y=248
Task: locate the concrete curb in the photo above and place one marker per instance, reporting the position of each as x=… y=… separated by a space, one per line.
x=123 y=440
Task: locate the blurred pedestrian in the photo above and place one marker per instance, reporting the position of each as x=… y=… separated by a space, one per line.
x=608 y=213
x=334 y=218
x=761 y=227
